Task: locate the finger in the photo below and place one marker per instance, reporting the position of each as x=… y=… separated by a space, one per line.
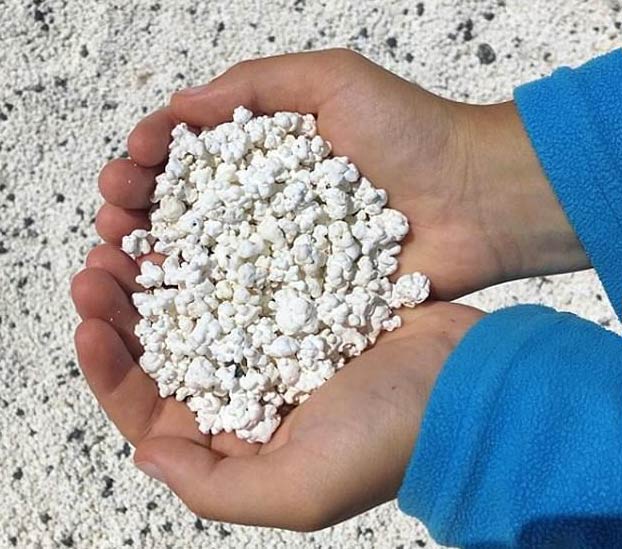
x=125 y=392
x=97 y=294
x=120 y=265
x=296 y=82
x=263 y=490
x=113 y=223
x=126 y=184
x=127 y=395
x=148 y=142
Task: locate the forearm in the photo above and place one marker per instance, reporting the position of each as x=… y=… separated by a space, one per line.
x=574 y=122
x=548 y=176
x=533 y=235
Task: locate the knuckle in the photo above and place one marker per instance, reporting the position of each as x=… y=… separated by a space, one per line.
x=81 y=285
x=343 y=56
x=311 y=520
x=93 y=258
x=196 y=508
x=241 y=66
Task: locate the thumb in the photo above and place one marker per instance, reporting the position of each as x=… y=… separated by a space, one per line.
x=262 y=490
x=299 y=82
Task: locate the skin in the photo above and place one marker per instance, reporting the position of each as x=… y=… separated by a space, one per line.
x=481 y=213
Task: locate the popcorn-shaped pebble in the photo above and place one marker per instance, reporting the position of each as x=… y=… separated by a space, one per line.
x=137 y=243
x=282 y=346
x=276 y=270
x=151 y=275
x=410 y=290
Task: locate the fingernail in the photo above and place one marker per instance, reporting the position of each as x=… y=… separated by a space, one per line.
x=151 y=470
x=193 y=91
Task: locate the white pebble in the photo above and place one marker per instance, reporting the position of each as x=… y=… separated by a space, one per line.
x=276 y=270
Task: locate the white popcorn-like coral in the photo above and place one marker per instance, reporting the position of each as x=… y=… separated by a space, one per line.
x=137 y=243
x=278 y=257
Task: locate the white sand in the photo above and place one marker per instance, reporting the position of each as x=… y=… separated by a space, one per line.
x=68 y=97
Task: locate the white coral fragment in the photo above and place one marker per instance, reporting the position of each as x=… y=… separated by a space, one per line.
x=278 y=257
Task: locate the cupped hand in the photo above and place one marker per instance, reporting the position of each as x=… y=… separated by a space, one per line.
x=340 y=453
x=480 y=208
x=481 y=212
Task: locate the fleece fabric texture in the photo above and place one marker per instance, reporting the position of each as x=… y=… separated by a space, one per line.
x=574 y=121
x=521 y=442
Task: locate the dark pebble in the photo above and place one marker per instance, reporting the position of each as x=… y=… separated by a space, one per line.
x=486 y=54
x=108 y=484
x=223 y=532
x=76 y=435
x=125 y=450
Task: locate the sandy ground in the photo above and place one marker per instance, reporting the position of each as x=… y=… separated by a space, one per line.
x=75 y=75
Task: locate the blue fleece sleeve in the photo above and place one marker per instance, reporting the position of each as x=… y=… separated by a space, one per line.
x=574 y=121
x=521 y=442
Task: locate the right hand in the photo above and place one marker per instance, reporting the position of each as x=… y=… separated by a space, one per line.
x=480 y=208
x=341 y=452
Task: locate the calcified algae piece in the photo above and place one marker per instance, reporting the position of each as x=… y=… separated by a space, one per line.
x=277 y=271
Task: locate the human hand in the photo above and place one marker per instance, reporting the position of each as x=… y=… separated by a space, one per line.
x=343 y=451
x=480 y=208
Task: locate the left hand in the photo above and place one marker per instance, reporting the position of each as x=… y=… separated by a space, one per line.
x=466 y=176
x=343 y=451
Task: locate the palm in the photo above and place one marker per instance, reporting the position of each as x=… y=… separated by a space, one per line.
x=362 y=423
x=405 y=141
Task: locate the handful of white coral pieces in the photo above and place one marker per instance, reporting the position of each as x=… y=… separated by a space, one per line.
x=278 y=257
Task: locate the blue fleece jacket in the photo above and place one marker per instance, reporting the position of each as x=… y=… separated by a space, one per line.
x=521 y=442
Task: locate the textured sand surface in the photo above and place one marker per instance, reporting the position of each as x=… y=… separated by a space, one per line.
x=75 y=75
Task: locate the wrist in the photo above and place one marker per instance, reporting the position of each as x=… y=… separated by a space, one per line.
x=525 y=222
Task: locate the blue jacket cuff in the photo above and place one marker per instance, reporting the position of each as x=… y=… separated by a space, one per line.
x=458 y=414
x=574 y=121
